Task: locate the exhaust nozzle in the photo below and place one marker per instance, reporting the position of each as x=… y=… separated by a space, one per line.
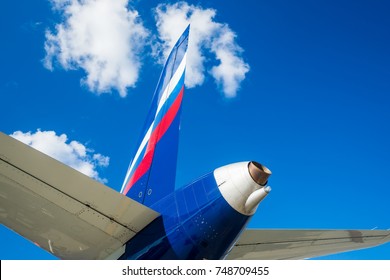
x=259 y=173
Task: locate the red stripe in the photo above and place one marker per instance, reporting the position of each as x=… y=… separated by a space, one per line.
x=158 y=132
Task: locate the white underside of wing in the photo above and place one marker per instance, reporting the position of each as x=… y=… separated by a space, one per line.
x=61 y=210
x=283 y=244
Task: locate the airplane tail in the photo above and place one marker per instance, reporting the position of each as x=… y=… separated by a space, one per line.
x=152 y=172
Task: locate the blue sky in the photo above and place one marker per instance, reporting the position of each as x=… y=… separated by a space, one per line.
x=310 y=100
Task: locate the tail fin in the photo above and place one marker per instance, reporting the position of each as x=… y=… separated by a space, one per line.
x=152 y=172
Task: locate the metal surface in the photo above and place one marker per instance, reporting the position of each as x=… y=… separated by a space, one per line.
x=300 y=244
x=196 y=223
x=61 y=210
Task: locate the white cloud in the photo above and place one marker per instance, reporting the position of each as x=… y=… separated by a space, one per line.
x=74 y=154
x=102 y=37
x=206 y=37
x=106 y=38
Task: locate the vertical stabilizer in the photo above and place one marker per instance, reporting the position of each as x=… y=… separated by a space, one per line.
x=152 y=172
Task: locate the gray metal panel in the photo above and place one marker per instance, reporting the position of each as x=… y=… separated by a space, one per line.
x=62 y=210
x=300 y=244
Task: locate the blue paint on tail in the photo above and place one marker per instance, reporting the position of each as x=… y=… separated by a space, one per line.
x=152 y=172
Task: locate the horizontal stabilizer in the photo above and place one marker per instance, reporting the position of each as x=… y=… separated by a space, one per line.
x=60 y=209
x=284 y=244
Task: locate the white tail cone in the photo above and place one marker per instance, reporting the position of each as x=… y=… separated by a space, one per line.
x=243 y=185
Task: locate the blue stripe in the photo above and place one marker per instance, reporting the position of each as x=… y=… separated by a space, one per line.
x=169 y=102
x=173 y=62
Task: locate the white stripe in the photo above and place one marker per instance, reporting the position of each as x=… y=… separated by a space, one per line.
x=175 y=79
x=143 y=143
x=167 y=92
